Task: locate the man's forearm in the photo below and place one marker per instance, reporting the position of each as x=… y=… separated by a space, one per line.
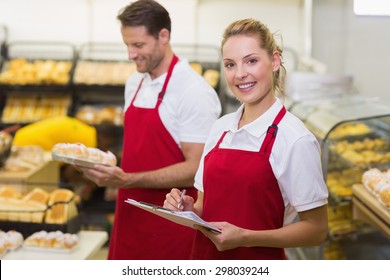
x=173 y=176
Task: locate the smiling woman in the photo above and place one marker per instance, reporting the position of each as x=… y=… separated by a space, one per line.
x=260 y=156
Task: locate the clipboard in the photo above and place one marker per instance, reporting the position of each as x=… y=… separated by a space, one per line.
x=185 y=218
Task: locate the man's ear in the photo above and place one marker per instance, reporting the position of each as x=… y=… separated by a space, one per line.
x=164 y=35
x=276 y=61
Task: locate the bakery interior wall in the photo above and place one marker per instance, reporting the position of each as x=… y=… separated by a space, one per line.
x=342 y=41
x=353 y=44
x=193 y=21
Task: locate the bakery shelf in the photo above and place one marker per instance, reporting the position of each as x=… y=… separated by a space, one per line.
x=367 y=208
x=28 y=228
x=37 y=65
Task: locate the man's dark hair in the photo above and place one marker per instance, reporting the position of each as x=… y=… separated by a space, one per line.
x=146 y=13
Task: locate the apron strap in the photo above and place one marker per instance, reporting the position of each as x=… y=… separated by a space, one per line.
x=272 y=130
x=175 y=59
x=220 y=139
x=135 y=95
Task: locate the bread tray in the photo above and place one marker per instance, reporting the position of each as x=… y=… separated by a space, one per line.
x=28 y=228
x=47 y=249
x=75 y=161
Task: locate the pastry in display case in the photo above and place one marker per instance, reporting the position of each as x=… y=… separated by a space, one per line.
x=354 y=135
x=354 y=129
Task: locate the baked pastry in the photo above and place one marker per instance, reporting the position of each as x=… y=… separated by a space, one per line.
x=81 y=152
x=197 y=67
x=66 y=241
x=371 y=178
x=37 y=195
x=9 y=192
x=13 y=240
x=61 y=207
x=35 y=239
x=30 y=208
x=53 y=239
x=385 y=196
x=87 y=114
x=73 y=150
x=3 y=249
x=212 y=77
x=10 y=240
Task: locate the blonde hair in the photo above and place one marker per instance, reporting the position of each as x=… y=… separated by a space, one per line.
x=267 y=42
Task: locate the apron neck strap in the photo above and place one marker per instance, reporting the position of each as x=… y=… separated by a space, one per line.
x=175 y=59
x=272 y=130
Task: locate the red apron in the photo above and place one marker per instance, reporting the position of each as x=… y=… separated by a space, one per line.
x=147 y=145
x=240 y=188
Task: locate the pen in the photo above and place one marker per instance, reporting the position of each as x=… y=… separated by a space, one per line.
x=181 y=199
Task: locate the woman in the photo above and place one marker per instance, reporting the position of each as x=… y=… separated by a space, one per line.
x=261 y=166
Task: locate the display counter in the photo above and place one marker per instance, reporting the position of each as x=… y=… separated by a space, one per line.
x=45 y=175
x=90 y=242
x=353 y=133
x=368 y=209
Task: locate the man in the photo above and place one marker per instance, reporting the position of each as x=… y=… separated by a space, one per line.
x=169 y=110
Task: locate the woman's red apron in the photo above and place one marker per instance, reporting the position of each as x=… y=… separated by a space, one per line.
x=147 y=145
x=240 y=188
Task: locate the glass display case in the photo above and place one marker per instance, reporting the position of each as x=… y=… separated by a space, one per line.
x=347 y=120
x=354 y=135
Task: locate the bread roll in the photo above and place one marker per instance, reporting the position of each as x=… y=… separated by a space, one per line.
x=81 y=152
x=9 y=192
x=385 y=196
x=13 y=240
x=53 y=239
x=37 y=195
x=61 y=207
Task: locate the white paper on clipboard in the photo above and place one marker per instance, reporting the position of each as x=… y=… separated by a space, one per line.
x=185 y=218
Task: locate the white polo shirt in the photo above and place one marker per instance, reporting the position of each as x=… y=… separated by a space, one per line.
x=190 y=105
x=295 y=156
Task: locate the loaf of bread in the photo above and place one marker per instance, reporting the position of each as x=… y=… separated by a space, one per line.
x=39 y=206
x=17 y=210
x=62 y=207
x=37 y=195
x=81 y=152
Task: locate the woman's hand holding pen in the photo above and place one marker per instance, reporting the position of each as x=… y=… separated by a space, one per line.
x=176 y=200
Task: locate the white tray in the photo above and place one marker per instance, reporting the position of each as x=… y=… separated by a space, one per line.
x=49 y=250
x=75 y=161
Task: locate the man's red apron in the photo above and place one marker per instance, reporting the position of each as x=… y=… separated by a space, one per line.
x=147 y=145
x=240 y=188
